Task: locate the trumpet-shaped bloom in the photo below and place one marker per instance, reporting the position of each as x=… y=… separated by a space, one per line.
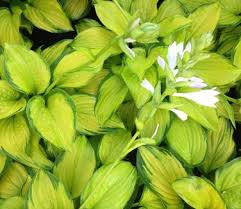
x=148 y=86
x=194 y=82
x=203 y=97
x=182 y=115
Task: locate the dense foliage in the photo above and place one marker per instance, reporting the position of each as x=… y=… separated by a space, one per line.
x=135 y=106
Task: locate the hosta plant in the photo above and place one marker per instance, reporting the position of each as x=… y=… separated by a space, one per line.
x=134 y=108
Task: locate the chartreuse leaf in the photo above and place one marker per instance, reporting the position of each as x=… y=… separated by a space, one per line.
x=230 y=12
x=112 y=16
x=140 y=63
x=168 y=8
x=53 y=118
x=3 y=161
x=46 y=186
x=86 y=23
x=237 y=55
x=150 y=200
x=35 y=156
x=192 y=5
x=139 y=94
x=110 y=187
x=112 y=146
x=10 y=100
x=206 y=116
x=159 y=169
x=75 y=8
x=152 y=122
x=14 y=181
x=87 y=122
x=52 y=53
x=198 y=193
x=204 y=20
x=228 y=181
x=25 y=70
x=125 y=4
x=14 y=135
x=127 y=113
x=74 y=70
x=172 y=24
x=9 y=28
x=95 y=39
x=13 y=203
x=111 y=94
x=75 y=167
x=146 y=9
x=216 y=70
x=188 y=139
x=220 y=146
x=94 y=83
x=47 y=15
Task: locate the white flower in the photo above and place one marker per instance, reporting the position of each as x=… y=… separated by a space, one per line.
x=130 y=40
x=161 y=62
x=155 y=132
x=197 y=83
x=147 y=85
x=182 y=115
x=136 y=23
x=194 y=82
x=174 y=51
x=204 y=97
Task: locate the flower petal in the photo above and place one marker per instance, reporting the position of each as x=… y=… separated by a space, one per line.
x=182 y=115
x=161 y=62
x=204 y=97
x=172 y=55
x=147 y=85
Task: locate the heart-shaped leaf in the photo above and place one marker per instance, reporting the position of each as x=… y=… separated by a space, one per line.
x=25 y=70
x=53 y=118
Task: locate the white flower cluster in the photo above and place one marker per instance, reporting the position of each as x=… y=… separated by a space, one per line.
x=205 y=97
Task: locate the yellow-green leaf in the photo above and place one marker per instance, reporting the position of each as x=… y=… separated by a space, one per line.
x=53 y=118
x=9 y=30
x=198 y=193
x=10 y=100
x=216 y=70
x=146 y=9
x=13 y=203
x=228 y=183
x=112 y=16
x=47 y=15
x=173 y=24
x=204 y=20
x=206 y=116
x=75 y=70
x=150 y=200
x=25 y=70
x=14 y=135
x=168 y=8
x=113 y=145
x=110 y=187
x=14 y=181
x=75 y=8
x=237 y=55
x=87 y=122
x=52 y=53
x=188 y=139
x=95 y=39
x=75 y=167
x=111 y=94
x=46 y=186
x=159 y=169
x=220 y=146
x=94 y=83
